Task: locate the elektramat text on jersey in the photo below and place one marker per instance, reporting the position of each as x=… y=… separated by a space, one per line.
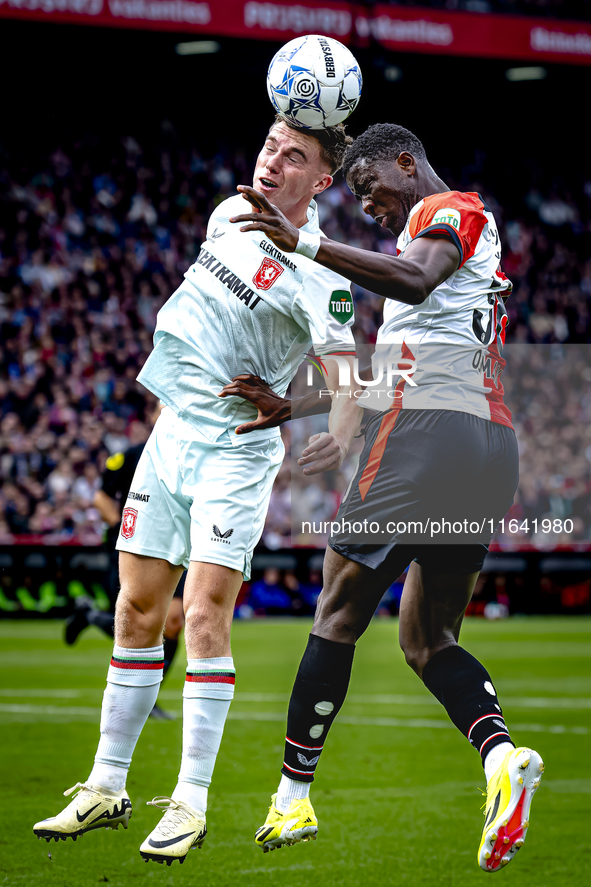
x=225 y=276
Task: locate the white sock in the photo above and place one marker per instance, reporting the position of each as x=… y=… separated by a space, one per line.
x=208 y=692
x=290 y=790
x=495 y=757
x=133 y=681
x=193 y=795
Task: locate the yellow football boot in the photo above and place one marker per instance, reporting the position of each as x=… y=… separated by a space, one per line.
x=298 y=824
x=508 y=799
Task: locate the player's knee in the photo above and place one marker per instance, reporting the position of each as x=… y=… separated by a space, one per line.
x=338 y=620
x=207 y=616
x=416 y=656
x=135 y=612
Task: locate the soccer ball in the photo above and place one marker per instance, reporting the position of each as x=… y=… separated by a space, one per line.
x=314 y=81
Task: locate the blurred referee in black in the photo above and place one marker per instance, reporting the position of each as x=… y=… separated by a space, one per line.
x=109 y=502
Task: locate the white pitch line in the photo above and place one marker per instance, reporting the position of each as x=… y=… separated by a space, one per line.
x=45 y=694
x=45 y=713
x=53 y=710
x=543 y=702
x=550 y=702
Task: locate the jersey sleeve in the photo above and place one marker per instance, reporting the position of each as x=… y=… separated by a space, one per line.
x=324 y=308
x=455 y=215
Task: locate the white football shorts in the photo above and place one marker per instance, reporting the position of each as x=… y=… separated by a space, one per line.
x=192 y=500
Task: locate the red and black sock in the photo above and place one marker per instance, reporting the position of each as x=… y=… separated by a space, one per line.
x=318 y=693
x=464 y=688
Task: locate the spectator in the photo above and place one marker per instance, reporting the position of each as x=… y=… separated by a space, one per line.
x=268 y=596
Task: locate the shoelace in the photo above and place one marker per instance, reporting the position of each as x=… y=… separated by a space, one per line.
x=81 y=786
x=176 y=814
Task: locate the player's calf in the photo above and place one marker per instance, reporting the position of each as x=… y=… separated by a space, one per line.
x=464 y=688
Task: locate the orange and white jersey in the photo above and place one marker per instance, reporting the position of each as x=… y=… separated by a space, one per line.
x=448 y=347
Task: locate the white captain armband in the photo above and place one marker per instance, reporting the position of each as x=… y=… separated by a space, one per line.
x=308 y=245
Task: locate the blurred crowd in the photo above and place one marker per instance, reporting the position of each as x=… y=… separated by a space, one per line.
x=548 y=388
x=97 y=235
x=280 y=593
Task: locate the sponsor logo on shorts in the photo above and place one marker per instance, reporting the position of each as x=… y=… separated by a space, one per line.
x=221 y=537
x=139 y=497
x=128 y=522
x=267 y=274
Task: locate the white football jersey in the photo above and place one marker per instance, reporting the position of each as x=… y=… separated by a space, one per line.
x=449 y=345
x=245 y=307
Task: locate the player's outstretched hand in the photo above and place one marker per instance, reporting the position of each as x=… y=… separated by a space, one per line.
x=269 y=219
x=272 y=409
x=323 y=453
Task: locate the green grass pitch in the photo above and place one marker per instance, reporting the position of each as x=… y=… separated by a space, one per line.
x=397 y=788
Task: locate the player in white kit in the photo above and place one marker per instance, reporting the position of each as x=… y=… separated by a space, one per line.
x=200 y=492
x=440 y=464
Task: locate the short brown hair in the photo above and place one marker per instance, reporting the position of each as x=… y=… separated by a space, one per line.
x=333 y=140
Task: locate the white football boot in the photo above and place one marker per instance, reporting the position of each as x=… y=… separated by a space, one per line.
x=181 y=829
x=91 y=807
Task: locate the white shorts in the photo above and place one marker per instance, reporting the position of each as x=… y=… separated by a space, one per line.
x=192 y=500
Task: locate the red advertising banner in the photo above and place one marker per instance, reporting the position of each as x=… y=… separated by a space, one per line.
x=477 y=34
x=415 y=29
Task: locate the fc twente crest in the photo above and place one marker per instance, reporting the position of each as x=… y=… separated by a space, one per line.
x=267 y=274
x=128 y=521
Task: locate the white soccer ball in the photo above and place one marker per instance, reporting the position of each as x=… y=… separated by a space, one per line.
x=314 y=81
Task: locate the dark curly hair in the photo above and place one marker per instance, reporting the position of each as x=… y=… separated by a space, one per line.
x=334 y=141
x=383 y=141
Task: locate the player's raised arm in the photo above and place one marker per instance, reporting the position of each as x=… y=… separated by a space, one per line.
x=438 y=230
x=411 y=279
